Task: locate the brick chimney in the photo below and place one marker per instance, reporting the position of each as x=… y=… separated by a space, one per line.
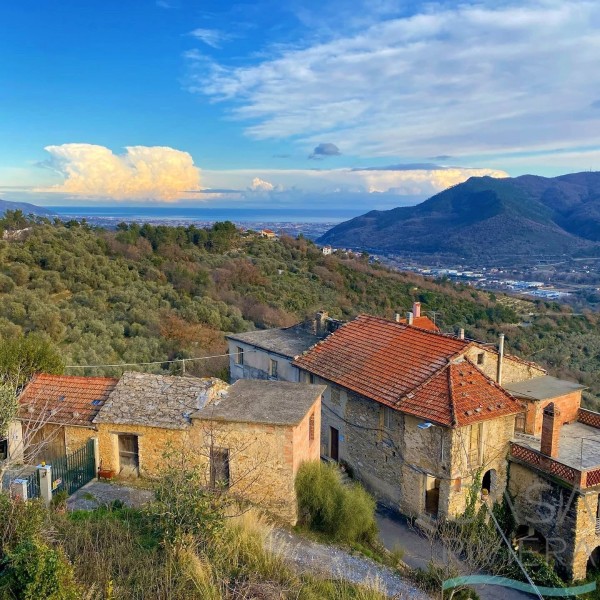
x=416 y=310
x=551 y=424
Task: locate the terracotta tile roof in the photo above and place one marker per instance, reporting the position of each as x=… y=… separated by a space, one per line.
x=64 y=399
x=409 y=369
x=457 y=395
x=422 y=323
x=380 y=359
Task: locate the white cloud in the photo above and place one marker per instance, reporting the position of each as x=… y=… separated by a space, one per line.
x=468 y=79
x=211 y=37
x=143 y=172
x=260 y=185
x=411 y=182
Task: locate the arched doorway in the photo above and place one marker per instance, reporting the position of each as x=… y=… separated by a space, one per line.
x=593 y=563
x=488 y=482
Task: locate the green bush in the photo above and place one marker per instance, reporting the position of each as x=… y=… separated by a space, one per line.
x=344 y=513
x=33 y=570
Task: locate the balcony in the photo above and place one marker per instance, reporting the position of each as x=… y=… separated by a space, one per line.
x=578 y=460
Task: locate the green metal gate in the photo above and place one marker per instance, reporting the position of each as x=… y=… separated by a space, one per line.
x=71 y=472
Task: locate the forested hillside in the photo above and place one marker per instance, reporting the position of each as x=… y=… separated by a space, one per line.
x=144 y=294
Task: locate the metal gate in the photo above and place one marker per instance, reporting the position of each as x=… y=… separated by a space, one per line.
x=33 y=485
x=71 y=472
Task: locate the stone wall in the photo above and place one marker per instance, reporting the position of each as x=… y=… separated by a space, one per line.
x=264 y=459
x=513 y=370
x=153 y=442
x=257 y=364
x=77 y=437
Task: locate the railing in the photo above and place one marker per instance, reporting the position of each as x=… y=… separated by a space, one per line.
x=589 y=417
x=581 y=478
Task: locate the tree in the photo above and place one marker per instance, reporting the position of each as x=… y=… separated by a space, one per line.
x=21 y=357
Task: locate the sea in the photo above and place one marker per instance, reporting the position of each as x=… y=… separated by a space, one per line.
x=311 y=223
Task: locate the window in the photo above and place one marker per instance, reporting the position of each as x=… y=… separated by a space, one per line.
x=311 y=378
x=273 y=369
x=239 y=356
x=520 y=423
x=311 y=427
x=386 y=417
x=219 y=468
x=3 y=449
x=335 y=395
x=481 y=358
x=474 y=444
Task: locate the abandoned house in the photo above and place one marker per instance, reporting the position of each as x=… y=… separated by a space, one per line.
x=56 y=414
x=249 y=437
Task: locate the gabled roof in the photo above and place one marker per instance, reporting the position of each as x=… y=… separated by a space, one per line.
x=157 y=400
x=423 y=323
x=380 y=359
x=260 y=401
x=64 y=399
x=410 y=369
x=459 y=394
x=287 y=341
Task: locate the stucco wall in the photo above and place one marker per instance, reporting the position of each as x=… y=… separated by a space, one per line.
x=257 y=364
x=566 y=518
x=568 y=405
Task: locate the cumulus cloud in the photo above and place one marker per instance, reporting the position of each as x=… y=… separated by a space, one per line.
x=260 y=185
x=467 y=79
x=142 y=172
x=323 y=150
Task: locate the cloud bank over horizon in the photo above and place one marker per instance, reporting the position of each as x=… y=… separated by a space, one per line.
x=141 y=173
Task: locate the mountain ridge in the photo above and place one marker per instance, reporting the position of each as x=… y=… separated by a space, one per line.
x=26 y=207
x=484 y=216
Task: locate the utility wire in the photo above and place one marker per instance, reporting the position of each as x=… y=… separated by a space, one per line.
x=158 y=362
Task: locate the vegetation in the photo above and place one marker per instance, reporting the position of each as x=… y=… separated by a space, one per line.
x=325 y=505
x=115 y=553
x=145 y=294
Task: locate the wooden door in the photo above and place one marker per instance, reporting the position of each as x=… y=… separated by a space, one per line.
x=334 y=450
x=128 y=454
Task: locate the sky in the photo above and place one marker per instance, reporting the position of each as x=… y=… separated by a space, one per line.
x=303 y=103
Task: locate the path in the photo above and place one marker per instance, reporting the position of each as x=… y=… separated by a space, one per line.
x=395 y=532
x=329 y=561
x=98 y=493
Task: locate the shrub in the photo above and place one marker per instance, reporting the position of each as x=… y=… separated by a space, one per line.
x=33 y=570
x=325 y=505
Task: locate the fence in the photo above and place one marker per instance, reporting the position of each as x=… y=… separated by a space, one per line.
x=71 y=472
x=33 y=485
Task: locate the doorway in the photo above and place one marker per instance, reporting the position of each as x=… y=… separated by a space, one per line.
x=432 y=495
x=129 y=461
x=334 y=444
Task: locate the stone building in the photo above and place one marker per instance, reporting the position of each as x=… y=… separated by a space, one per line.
x=410 y=413
x=56 y=414
x=268 y=353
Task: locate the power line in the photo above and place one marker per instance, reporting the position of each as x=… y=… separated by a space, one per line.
x=157 y=362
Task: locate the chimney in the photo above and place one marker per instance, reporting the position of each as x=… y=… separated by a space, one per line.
x=409 y=318
x=461 y=334
x=551 y=424
x=500 y=358
x=321 y=320
x=416 y=309
x=397 y=317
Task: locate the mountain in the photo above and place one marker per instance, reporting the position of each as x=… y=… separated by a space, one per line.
x=487 y=218
x=26 y=208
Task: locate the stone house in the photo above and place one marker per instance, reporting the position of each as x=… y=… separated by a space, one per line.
x=410 y=413
x=56 y=414
x=268 y=353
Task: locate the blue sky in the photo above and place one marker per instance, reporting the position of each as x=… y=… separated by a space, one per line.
x=373 y=103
